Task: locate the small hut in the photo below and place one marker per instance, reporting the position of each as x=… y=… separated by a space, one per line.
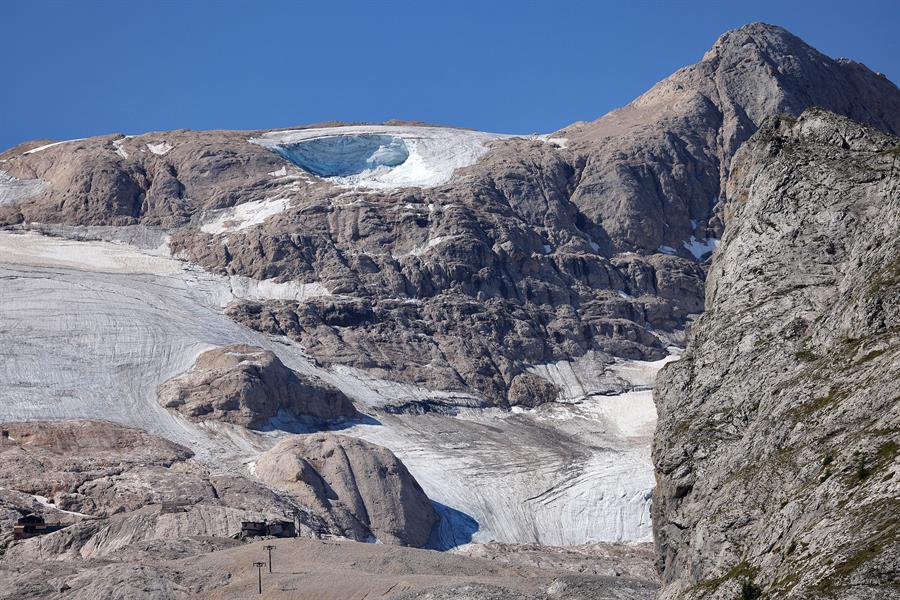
x=31 y=525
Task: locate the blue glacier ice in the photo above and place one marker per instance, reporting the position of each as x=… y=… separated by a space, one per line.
x=343 y=155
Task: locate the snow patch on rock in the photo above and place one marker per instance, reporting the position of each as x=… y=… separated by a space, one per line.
x=45 y=502
x=382 y=156
x=160 y=149
x=560 y=142
x=245 y=215
x=45 y=146
x=118 y=149
x=268 y=289
x=699 y=248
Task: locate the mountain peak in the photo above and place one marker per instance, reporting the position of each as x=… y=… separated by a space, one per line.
x=759 y=70
x=768 y=43
x=758 y=31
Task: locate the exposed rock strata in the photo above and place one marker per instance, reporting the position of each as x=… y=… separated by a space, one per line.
x=777 y=446
x=250 y=386
x=119 y=488
x=365 y=488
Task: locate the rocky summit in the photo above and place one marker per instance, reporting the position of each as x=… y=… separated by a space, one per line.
x=389 y=339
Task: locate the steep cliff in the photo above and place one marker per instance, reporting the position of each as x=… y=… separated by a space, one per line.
x=776 y=448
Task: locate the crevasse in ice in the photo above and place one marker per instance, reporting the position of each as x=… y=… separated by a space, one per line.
x=343 y=155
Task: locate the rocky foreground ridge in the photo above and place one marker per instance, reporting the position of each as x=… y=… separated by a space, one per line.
x=777 y=445
x=540 y=251
x=120 y=489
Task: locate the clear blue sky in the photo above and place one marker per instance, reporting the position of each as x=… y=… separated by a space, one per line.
x=82 y=67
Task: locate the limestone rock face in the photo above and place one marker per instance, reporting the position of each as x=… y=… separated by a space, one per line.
x=62 y=457
x=122 y=490
x=116 y=486
x=364 y=487
x=777 y=445
x=529 y=390
x=655 y=170
x=156 y=178
x=249 y=386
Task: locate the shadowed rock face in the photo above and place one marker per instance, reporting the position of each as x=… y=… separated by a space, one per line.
x=366 y=489
x=249 y=386
x=776 y=450
x=536 y=253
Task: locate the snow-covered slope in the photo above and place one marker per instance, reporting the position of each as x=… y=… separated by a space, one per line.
x=381 y=156
x=90 y=329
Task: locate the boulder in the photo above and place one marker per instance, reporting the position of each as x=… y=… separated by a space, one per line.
x=364 y=488
x=249 y=386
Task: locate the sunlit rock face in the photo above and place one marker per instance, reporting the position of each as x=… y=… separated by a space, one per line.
x=344 y=155
x=777 y=447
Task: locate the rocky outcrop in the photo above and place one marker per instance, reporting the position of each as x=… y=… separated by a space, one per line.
x=118 y=487
x=777 y=445
x=655 y=170
x=156 y=178
x=551 y=251
x=250 y=386
x=367 y=491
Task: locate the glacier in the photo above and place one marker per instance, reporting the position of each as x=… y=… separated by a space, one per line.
x=343 y=155
x=89 y=329
x=381 y=156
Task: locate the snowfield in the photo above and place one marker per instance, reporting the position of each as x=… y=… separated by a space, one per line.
x=245 y=215
x=700 y=248
x=160 y=148
x=50 y=145
x=381 y=156
x=89 y=329
x=13 y=190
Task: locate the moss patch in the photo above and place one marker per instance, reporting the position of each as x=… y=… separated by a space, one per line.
x=885 y=279
x=884 y=519
x=806 y=355
x=742 y=570
x=807 y=409
x=871 y=355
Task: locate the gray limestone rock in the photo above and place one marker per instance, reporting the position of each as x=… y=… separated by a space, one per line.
x=364 y=487
x=97 y=478
x=250 y=386
x=777 y=445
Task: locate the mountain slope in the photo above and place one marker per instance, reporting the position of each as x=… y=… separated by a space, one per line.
x=655 y=169
x=776 y=449
x=547 y=276
x=537 y=250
